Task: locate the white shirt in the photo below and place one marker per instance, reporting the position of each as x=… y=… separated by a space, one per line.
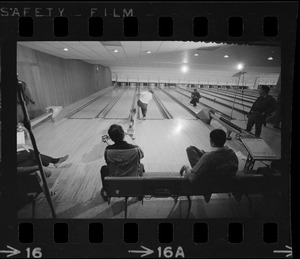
x=145 y=97
x=21 y=142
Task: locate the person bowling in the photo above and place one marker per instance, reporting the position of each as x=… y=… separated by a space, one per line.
x=145 y=98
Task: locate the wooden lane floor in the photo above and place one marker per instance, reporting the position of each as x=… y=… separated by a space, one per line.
x=269 y=134
x=76 y=184
x=165 y=141
x=249 y=92
x=244 y=96
x=229 y=100
x=174 y=108
x=226 y=110
x=93 y=109
x=122 y=107
x=153 y=112
x=239 y=104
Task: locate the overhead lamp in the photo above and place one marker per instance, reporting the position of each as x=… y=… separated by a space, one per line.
x=66 y=49
x=270 y=58
x=226 y=56
x=148 y=52
x=184 y=69
x=196 y=54
x=240 y=66
x=116 y=51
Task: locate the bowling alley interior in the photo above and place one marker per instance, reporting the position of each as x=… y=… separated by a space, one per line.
x=73 y=91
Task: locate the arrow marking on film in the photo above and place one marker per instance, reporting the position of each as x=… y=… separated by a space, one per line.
x=288 y=252
x=10 y=252
x=145 y=252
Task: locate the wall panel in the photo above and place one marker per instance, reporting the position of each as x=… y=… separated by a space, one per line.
x=57 y=81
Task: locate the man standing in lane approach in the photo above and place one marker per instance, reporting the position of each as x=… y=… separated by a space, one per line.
x=144 y=99
x=263 y=107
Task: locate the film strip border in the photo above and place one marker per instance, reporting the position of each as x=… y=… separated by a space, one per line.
x=260 y=22
x=165 y=26
x=149 y=21
x=154 y=238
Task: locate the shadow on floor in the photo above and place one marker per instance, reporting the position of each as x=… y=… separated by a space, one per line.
x=218 y=207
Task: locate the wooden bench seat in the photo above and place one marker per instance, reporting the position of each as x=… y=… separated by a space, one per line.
x=173 y=185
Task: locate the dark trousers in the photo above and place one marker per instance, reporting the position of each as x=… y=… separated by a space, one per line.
x=143 y=107
x=25 y=185
x=258 y=120
x=277 y=118
x=25 y=158
x=194 y=101
x=104 y=172
x=193 y=154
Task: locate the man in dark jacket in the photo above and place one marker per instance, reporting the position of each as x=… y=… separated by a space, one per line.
x=122 y=158
x=263 y=107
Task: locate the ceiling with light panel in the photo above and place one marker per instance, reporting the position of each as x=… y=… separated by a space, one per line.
x=163 y=54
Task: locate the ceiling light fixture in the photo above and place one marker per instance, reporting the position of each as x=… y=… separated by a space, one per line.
x=270 y=58
x=66 y=49
x=184 y=69
x=226 y=56
x=148 y=52
x=240 y=66
x=196 y=54
x=116 y=51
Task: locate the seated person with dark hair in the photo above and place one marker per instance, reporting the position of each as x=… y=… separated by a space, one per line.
x=122 y=158
x=220 y=161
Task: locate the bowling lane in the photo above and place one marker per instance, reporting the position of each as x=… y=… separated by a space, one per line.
x=153 y=111
x=226 y=110
x=177 y=111
x=250 y=93
x=246 y=98
x=185 y=99
x=93 y=109
x=230 y=97
x=122 y=107
x=271 y=136
x=219 y=98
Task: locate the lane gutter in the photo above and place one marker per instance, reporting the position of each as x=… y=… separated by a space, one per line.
x=88 y=103
x=109 y=106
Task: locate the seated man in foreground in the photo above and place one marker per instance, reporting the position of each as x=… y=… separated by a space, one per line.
x=122 y=158
x=27 y=166
x=220 y=161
